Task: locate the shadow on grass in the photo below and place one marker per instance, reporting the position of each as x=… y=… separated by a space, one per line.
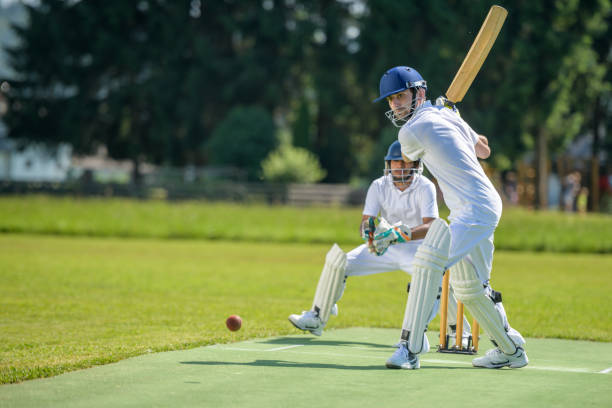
x=293 y=364
x=284 y=364
x=312 y=341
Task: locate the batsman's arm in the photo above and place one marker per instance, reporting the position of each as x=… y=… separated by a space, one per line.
x=483 y=151
x=420 y=231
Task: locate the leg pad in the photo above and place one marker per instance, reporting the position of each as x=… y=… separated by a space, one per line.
x=330 y=283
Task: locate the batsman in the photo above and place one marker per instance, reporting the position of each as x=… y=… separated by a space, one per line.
x=450 y=149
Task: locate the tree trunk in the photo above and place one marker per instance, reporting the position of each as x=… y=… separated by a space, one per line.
x=542 y=170
x=136 y=174
x=597 y=116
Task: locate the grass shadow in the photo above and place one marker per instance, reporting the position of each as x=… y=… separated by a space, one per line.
x=290 y=364
x=311 y=341
x=293 y=364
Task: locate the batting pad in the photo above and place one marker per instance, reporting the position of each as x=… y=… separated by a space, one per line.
x=330 y=282
x=469 y=290
x=429 y=262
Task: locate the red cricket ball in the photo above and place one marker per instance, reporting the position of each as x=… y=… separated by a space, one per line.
x=233 y=322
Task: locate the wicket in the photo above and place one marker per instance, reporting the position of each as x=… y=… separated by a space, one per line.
x=472 y=346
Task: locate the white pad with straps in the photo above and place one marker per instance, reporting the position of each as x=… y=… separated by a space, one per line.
x=429 y=262
x=330 y=283
x=469 y=290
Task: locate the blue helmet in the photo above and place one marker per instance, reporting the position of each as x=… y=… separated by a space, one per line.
x=401 y=175
x=399 y=79
x=394 y=152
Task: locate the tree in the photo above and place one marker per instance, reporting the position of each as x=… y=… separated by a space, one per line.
x=149 y=80
x=245 y=137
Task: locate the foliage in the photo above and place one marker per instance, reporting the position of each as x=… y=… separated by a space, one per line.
x=291 y=164
x=244 y=138
x=377 y=163
x=151 y=80
x=519 y=229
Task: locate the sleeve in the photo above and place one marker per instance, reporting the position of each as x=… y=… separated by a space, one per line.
x=429 y=204
x=471 y=133
x=372 y=201
x=411 y=146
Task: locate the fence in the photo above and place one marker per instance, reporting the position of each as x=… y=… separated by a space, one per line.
x=292 y=194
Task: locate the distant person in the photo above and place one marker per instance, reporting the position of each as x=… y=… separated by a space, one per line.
x=407 y=201
x=571 y=190
x=605 y=189
x=554 y=191
x=510 y=188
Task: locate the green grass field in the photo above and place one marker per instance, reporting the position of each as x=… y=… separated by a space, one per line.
x=519 y=229
x=81 y=294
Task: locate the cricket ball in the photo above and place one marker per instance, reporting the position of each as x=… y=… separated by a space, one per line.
x=233 y=322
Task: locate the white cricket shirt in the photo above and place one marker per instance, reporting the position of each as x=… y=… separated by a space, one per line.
x=445 y=143
x=410 y=206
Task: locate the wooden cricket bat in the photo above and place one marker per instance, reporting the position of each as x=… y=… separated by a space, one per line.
x=477 y=54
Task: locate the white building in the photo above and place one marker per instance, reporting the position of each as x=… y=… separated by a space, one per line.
x=34 y=163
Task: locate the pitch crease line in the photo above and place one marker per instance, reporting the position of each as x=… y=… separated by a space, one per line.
x=606 y=371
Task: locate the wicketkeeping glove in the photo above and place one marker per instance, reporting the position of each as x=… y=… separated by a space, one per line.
x=367 y=229
x=394 y=235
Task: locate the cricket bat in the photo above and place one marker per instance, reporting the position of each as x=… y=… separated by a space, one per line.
x=477 y=54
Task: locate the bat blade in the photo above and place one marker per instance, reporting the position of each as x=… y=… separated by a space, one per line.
x=477 y=54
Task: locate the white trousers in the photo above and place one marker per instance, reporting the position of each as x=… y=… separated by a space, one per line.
x=475 y=242
x=360 y=262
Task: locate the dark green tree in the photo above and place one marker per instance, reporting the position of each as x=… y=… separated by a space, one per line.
x=243 y=140
x=149 y=80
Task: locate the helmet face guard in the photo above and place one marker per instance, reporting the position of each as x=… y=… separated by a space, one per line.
x=403 y=175
x=403 y=113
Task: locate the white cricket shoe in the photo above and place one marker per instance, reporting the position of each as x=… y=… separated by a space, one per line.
x=308 y=320
x=403 y=358
x=495 y=358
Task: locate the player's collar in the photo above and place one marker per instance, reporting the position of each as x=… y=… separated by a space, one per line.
x=426 y=104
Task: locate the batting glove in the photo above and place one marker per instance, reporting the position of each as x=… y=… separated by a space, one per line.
x=443 y=101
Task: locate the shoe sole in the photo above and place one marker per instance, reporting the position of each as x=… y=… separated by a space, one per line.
x=508 y=363
x=396 y=367
x=313 y=331
x=502 y=365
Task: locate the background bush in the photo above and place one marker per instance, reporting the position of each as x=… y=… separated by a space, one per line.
x=291 y=164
